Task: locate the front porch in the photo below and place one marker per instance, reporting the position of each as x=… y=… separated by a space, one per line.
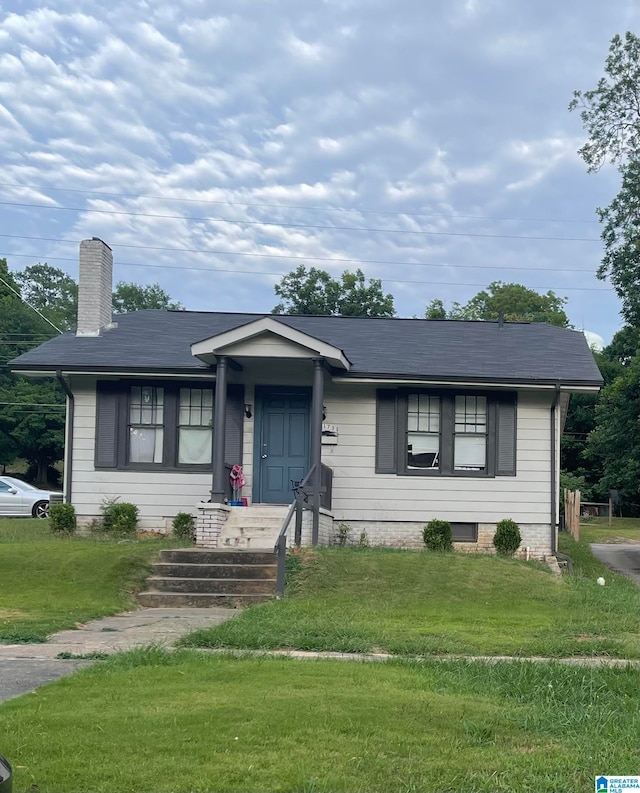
x=281 y=373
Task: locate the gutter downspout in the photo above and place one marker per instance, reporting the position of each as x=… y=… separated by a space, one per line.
x=68 y=441
x=554 y=516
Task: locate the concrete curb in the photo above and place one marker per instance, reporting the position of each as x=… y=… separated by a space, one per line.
x=311 y=655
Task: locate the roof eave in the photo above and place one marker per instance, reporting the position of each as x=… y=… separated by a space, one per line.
x=529 y=382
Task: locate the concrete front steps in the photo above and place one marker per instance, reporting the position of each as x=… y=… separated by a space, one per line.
x=255 y=527
x=200 y=578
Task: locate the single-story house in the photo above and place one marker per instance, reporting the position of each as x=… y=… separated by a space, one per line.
x=397 y=421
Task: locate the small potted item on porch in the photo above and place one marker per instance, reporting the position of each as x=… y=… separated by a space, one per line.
x=236 y=477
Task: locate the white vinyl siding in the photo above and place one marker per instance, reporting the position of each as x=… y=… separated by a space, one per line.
x=158 y=495
x=358 y=492
x=361 y=494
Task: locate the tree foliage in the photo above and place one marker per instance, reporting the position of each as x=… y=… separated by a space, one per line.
x=610 y=114
x=621 y=237
x=135 y=297
x=32 y=416
x=52 y=292
x=314 y=291
x=614 y=445
x=601 y=441
x=32 y=413
x=515 y=302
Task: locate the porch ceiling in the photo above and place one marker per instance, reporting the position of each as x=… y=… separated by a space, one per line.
x=268 y=338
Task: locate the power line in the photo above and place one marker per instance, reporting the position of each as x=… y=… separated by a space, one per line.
x=294 y=206
x=215 y=270
x=393 y=262
x=297 y=225
x=33 y=308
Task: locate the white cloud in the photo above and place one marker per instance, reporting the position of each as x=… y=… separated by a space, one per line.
x=306 y=51
x=439 y=116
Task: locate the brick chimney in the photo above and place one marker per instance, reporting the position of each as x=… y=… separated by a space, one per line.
x=95 y=285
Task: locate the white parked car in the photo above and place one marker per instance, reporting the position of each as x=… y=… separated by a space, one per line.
x=19 y=498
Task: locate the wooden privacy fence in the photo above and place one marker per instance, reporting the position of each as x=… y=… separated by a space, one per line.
x=572 y=512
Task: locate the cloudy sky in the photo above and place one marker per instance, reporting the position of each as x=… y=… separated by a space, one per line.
x=216 y=145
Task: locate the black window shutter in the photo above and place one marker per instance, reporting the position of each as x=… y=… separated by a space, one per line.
x=506 y=436
x=386 y=431
x=106 y=451
x=233 y=431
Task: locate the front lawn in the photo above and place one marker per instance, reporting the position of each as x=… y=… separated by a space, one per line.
x=153 y=721
x=621 y=530
x=49 y=583
x=355 y=600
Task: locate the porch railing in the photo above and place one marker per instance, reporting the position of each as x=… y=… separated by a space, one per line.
x=298 y=505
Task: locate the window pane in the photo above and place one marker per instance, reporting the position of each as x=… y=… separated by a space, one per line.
x=145 y=445
x=195 y=407
x=194 y=446
x=470 y=414
x=422 y=450
x=412 y=421
x=470 y=452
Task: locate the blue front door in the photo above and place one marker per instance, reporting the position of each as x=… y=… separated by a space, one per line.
x=282 y=450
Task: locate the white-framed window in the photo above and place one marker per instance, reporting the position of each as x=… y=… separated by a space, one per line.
x=146 y=424
x=470 y=433
x=195 y=426
x=423 y=431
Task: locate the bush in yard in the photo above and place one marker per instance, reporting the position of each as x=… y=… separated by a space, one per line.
x=184 y=526
x=62 y=518
x=119 y=518
x=342 y=535
x=436 y=535
x=507 y=538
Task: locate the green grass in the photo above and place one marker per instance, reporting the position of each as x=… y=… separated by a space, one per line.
x=621 y=530
x=49 y=583
x=354 y=600
x=152 y=721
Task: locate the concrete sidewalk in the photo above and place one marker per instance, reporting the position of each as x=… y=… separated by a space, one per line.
x=126 y=631
x=24 y=667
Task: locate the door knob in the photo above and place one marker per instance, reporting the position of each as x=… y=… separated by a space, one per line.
x=264 y=456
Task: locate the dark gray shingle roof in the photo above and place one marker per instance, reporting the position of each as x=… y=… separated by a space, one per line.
x=161 y=340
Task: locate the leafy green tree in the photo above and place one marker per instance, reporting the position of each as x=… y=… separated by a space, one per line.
x=436 y=310
x=624 y=345
x=581 y=421
x=32 y=413
x=614 y=445
x=610 y=114
x=36 y=419
x=600 y=444
x=52 y=292
x=134 y=297
x=515 y=302
x=316 y=292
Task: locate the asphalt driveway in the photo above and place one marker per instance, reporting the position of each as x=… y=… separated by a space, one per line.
x=623 y=558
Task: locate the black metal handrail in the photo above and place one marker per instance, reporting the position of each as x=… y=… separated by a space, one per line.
x=280 y=547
